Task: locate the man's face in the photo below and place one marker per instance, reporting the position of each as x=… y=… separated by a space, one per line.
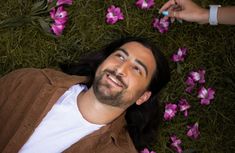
x=123 y=77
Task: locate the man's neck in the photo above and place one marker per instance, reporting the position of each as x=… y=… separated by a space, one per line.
x=94 y=111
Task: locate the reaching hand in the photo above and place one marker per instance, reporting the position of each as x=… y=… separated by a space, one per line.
x=186 y=10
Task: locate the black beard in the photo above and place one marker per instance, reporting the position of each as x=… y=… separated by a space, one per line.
x=113 y=100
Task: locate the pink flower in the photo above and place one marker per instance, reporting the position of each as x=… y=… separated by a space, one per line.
x=66 y=2
x=57 y=29
x=176 y=144
x=190 y=84
x=180 y=55
x=113 y=15
x=184 y=106
x=144 y=4
x=193 y=131
x=147 y=151
x=189 y=81
x=161 y=24
x=170 y=111
x=206 y=95
x=198 y=76
x=59 y=15
x=193 y=77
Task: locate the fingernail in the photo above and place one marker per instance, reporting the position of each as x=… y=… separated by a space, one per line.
x=165 y=13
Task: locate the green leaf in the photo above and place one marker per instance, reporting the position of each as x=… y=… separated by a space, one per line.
x=179 y=68
x=51 y=5
x=39 y=6
x=15 y=22
x=45 y=26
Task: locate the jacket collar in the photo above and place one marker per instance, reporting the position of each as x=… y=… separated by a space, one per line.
x=61 y=79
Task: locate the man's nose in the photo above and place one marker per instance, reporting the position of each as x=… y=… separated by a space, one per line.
x=122 y=69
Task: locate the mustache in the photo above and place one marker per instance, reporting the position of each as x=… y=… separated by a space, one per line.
x=118 y=77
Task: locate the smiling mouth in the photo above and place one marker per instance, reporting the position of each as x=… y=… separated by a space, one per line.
x=114 y=80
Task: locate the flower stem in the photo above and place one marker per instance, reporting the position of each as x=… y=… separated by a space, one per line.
x=15 y=22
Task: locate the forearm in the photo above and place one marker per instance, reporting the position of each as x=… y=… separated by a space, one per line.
x=226 y=15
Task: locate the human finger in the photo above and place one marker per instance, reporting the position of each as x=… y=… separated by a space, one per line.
x=175 y=14
x=167 y=5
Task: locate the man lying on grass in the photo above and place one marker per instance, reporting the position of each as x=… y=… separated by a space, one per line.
x=105 y=103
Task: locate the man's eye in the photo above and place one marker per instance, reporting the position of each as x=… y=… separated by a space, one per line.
x=137 y=69
x=120 y=57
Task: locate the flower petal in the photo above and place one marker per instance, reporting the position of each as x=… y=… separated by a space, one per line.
x=161 y=25
x=176 y=144
x=57 y=29
x=113 y=15
x=64 y=2
x=144 y=4
x=193 y=131
x=170 y=111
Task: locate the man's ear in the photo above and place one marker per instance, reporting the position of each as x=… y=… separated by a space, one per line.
x=144 y=97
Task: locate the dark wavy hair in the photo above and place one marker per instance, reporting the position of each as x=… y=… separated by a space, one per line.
x=142 y=120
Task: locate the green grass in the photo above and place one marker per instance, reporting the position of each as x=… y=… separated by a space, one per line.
x=210 y=47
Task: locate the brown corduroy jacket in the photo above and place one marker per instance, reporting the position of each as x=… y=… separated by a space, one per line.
x=26 y=95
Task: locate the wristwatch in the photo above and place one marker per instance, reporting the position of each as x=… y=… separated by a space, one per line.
x=213 y=20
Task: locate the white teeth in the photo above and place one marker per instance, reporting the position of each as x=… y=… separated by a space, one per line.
x=114 y=80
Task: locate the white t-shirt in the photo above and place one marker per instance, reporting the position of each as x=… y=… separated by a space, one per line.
x=63 y=126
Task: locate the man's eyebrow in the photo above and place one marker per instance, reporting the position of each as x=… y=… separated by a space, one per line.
x=124 y=51
x=138 y=61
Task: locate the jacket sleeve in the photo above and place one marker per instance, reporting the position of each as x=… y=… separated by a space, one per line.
x=10 y=82
x=18 y=91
